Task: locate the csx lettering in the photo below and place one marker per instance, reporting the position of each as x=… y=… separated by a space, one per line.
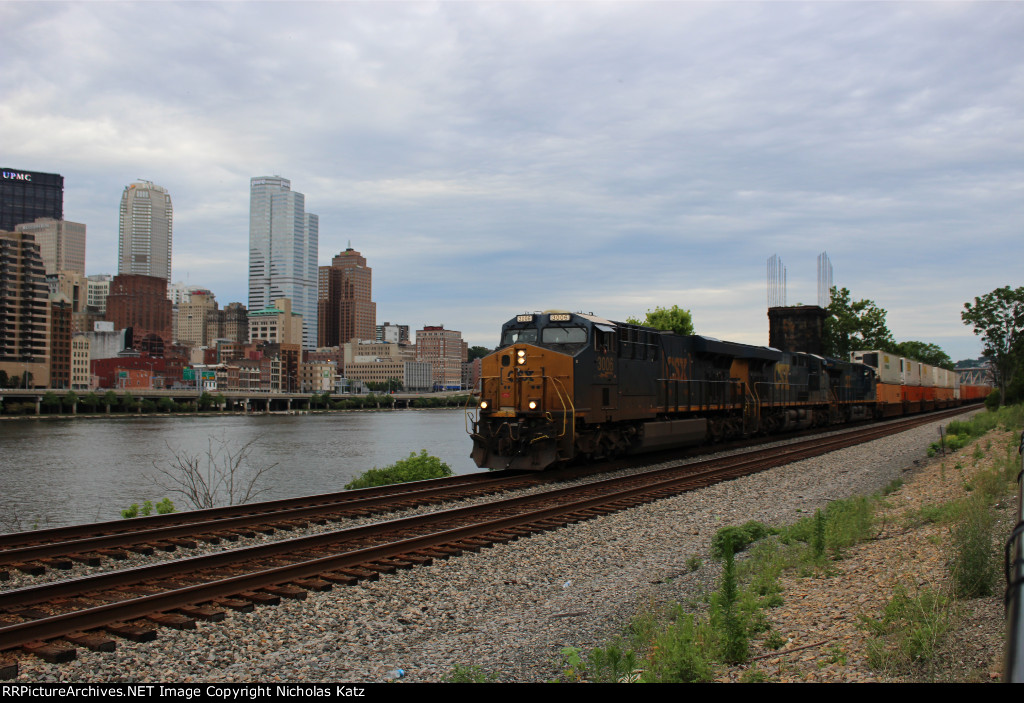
x=677 y=367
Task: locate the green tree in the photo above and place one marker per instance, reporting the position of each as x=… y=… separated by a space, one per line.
x=166 y=404
x=205 y=401
x=477 y=353
x=853 y=325
x=129 y=403
x=674 y=319
x=71 y=400
x=998 y=318
x=927 y=353
x=90 y=400
x=50 y=401
x=109 y=400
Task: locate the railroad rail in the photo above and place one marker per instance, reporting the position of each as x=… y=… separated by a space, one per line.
x=60 y=548
x=132 y=603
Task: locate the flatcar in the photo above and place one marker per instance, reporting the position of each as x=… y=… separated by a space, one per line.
x=565 y=385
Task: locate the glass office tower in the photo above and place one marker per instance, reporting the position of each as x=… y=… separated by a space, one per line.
x=283 y=240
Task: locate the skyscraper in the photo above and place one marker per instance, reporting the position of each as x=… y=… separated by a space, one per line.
x=146 y=222
x=283 y=241
x=27 y=195
x=345 y=306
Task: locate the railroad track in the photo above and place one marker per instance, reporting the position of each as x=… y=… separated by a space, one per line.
x=133 y=603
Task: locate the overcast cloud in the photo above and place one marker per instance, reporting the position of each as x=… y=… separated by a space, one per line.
x=490 y=158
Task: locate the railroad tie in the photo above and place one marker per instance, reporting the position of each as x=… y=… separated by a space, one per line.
x=236 y=604
x=61 y=563
x=361 y=574
x=89 y=558
x=340 y=578
x=92 y=640
x=51 y=652
x=313 y=584
x=203 y=612
x=175 y=621
x=132 y=632
x=290 y=592
x=8 y=670
x=260 y=598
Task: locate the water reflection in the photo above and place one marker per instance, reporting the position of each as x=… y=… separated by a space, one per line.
x=59 y=472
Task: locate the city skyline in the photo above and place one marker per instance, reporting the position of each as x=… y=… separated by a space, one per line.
x=605 y=157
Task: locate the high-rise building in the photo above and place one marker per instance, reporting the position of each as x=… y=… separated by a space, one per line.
x=283 y=245
x=27 y=195
x=345 y=308
x=61 y=243
x=24 y=311
x=445 y=351
x=146 y=224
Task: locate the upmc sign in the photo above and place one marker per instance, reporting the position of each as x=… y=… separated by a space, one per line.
x=16 y=176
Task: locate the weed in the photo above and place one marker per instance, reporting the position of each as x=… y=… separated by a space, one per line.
x=818 y=538
x=910 y=629
x=694 y=563
x=164 y=507
x=678 y=654
x=774 y=640
x=726 y=615
x=755 y=675
x=893 y=486
x=972 y=564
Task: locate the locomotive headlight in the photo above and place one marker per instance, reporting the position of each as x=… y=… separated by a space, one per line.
x=521 y=353
x=533 y=405
x=483 y=404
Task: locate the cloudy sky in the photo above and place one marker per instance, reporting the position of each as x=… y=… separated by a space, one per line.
x=492 y=158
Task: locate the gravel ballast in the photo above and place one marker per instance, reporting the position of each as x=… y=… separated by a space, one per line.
x=509 y=609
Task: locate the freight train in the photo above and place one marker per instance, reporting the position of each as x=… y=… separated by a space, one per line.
x=565 y=385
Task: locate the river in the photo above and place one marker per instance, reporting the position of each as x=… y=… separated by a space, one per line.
x=69 y=471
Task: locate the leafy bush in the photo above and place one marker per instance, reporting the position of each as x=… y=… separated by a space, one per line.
x=417 y=467
x=739 y=537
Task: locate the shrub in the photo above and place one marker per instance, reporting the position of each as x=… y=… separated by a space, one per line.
x=418 y=467
x=992 y=401
x=738 y=537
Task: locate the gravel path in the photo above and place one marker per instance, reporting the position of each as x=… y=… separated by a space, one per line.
x=509 y=609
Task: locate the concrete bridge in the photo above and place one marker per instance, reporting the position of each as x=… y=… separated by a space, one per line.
x=237 y=401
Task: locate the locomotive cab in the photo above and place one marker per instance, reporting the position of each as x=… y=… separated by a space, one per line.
x=527 y=413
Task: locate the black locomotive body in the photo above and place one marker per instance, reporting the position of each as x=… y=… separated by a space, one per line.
x=563 y=385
